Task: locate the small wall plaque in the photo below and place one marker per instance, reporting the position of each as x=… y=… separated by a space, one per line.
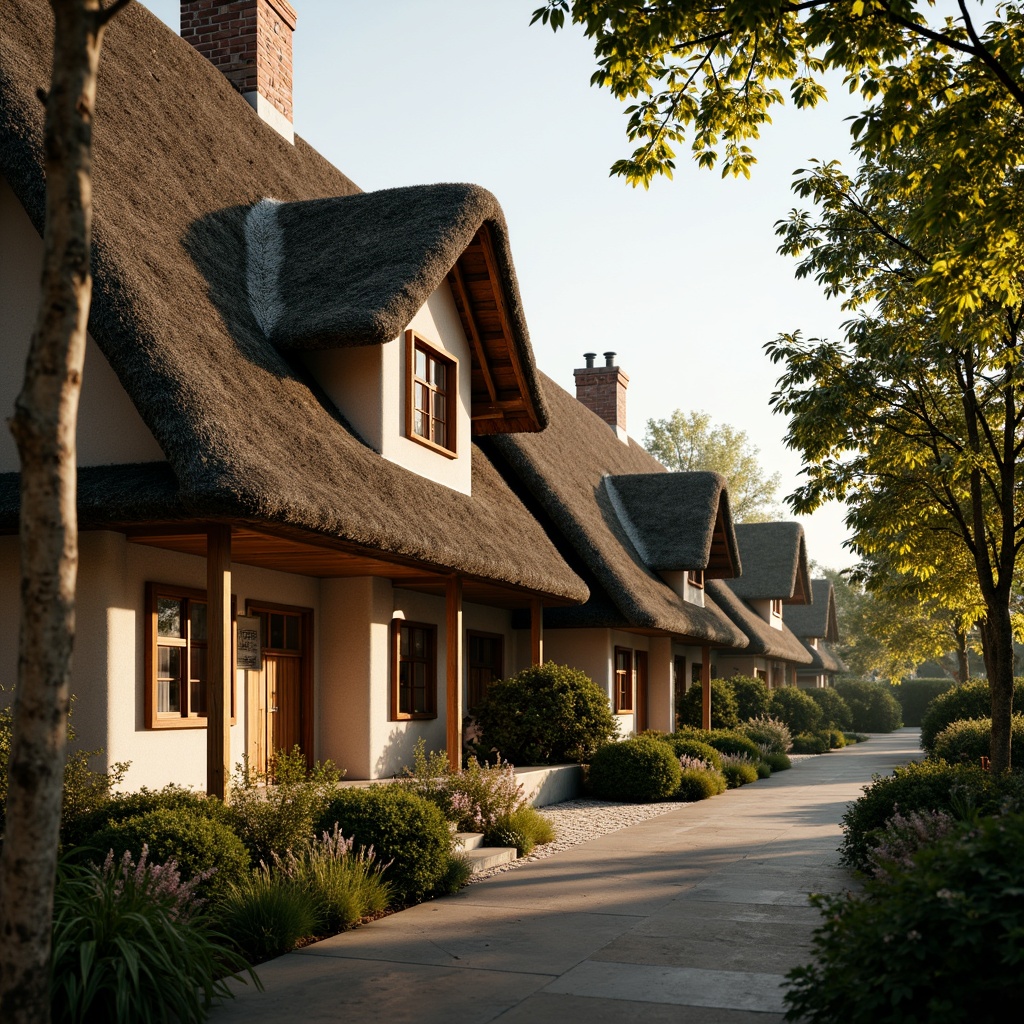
x=248 y=644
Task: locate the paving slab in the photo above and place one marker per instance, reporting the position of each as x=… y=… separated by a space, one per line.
x=693 y=916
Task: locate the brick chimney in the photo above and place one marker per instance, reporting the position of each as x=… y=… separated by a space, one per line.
x=602 y=389
x=251 y=42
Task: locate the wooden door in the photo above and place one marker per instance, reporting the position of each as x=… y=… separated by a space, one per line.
x=282 y=693
x=642 y=696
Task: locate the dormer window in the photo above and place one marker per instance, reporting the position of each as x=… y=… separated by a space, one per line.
x=430 y=395
x=695 y=578
x=776 y=608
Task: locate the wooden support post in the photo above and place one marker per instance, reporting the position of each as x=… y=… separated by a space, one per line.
x=536 y=632
x=453 y=644
x=705 y=687
x=218 y=660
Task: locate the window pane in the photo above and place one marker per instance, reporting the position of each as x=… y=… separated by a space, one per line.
x=197 y=684
x=198 y=614
x=440 y=435
x=291 y=632
x=421 y=364
x=168 y=616
x=419 y=641
x=277 y=632
x=168 y=679
x=419 y=423
x=440 y=404
x=440 y=374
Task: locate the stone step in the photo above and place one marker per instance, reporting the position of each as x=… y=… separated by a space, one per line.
x=483 y=858
x=466 y=841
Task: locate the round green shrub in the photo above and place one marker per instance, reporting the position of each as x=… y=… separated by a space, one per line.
x=873 y=706
x=724 y=714
x=753 y=698
x=730 y=741
x=836 y=740
x=685 y=746
x=939 y=942
x=835 y=712
x=918 y=786
x=547 y=714
x=700 y=785
x=798 y=710
x=402 y=828
x=739 y=773
x=640 y=769
x=971 y=700
x=966 y=742
x=196 y=842
x=915 y=695
x=811 y=743
x=770 y=734
x=777 y=760
x=764 y=769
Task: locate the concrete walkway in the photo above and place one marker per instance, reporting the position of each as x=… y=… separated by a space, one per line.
x=693 y=916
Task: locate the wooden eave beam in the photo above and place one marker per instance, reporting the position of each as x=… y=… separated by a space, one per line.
x=459 y=284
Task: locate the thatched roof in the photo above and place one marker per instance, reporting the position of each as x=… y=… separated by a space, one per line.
x=774 y=563
x=762 y=638
x=179 y=160
x=678 y=521
x=566 y=470
x=823 y=658
x=816 y=620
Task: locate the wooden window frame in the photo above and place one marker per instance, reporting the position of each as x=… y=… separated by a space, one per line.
x=621 y=707
x=415 y=342
x=775 y=607
x=472 y=634
x=186 y=718
x=397 y=715
x=695 y=578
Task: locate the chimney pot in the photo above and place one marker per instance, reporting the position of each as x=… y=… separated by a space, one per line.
x=602 y=389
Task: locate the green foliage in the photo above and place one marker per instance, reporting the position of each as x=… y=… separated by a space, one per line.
x=724 y=713
x=770 y=734
x=966 y=742
x=764 y=769
x=811 y=743
x=640 y=769
x=274 y=812
x=131 y=944
x=777 y=760
x=835 y=712
x=547 y=714
x=687 y=443
x=696 y=784
x=970 y=700
x=915 y=695
x=85 y=789
x=345 y=885
x=836 y=739
x=198 y=845
x=934 y=939
x=918 y=786
x=402 y=828
x=753 y=698
x=473 y=798
x=523 y=828
x=684 y=746
x=732 y=741
x=798 y=710
x=873 y=706
x=739 y=771
x=456 y=875
x=267 y=914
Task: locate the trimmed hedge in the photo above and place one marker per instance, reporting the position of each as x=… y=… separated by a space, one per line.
x=835 y=712
x=915 y=695
x=640 y=769
x=697 y=785
x=967 y=741
x=796 y=709
x=753 y=697
x=686 y=746
x=724 y=712
x=874 y=707
x=730 y=741
x=970 y=700
x=547 y=714
x=402 y=828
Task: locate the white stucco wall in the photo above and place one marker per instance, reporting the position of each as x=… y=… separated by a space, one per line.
x=764 y=609
x=368 y=387
x=110 y=429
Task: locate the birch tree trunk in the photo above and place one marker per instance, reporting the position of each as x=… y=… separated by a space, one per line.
x=43 y=425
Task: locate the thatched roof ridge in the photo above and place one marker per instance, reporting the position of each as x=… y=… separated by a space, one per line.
x=565 y=469
x=179 y=160
x=762 y=638
x=678 y=521
x=774 y=563
x=818 y=619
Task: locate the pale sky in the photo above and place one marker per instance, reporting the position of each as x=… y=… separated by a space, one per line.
x=682 y=281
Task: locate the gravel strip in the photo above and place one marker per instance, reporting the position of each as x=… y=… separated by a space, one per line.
x=579 y=821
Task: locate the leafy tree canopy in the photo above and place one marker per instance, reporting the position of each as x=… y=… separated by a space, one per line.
x=687 y=442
